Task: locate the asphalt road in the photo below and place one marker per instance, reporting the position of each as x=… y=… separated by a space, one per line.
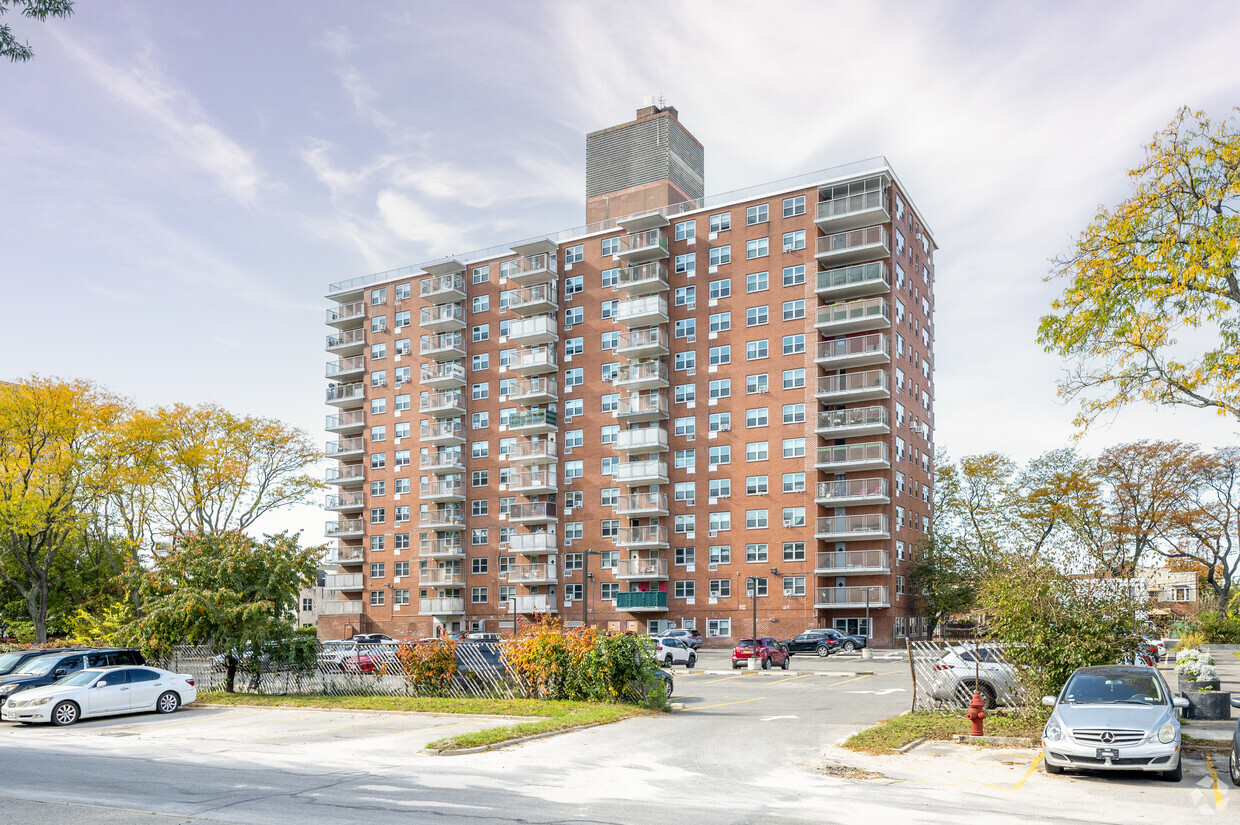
x=751 y=748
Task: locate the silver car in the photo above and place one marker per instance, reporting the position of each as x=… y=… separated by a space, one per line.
x=965 y=667
x=1114 y=717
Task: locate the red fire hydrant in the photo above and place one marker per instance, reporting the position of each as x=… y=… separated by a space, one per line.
x=976 y=714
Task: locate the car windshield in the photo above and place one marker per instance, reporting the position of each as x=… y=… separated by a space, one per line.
x=745 y=643
x=9 y=660
x=39 y=666
x=1113 y=689
x=82 y=677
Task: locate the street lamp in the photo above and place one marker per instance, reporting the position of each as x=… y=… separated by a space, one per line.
x=751 y=587
x=586 y=578
x=869 y=629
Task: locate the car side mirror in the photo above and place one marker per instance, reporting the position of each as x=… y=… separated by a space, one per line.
x=60 y=672
x=1049 y=701
x=1179 y=702
x=1235 y=701
x=101 y=683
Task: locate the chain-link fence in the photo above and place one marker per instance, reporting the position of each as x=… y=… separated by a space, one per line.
x=355 y=670
x=945 y=674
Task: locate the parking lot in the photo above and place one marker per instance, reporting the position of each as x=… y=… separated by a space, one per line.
x=753 y=747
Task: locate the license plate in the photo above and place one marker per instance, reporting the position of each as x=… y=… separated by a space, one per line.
x=1108 y=753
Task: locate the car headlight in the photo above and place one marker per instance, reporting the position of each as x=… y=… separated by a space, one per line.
x=1166 y=733
x=1053 y=731
x=5 y=690
x=34 y=703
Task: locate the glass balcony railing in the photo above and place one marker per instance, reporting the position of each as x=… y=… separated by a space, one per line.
x=874 y=453
x=355 y=310
x=857 y=420
x=864 y=526
x=868 y=384
x=348 y=339
x=851 y=597
x=854 y=314
x=844 y=491
x=869 y=277
x=871 y=348
x=840 y=562
x=641 y=600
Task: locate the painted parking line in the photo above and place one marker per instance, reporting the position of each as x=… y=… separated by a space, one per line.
x=725 y=679
x=790 y=678
x=1218 y=794
x=1032 y=767
x=846 y=681
x=723 y=704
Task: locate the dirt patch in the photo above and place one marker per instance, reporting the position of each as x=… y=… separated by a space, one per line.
x=846 y=771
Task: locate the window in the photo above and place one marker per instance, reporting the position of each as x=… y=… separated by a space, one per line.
x=573 y=408
x=378 y=406
x=757 y=281
x=479 y=507
x=755 y=553
x=574 y=438
x=611 y=276
x=609 y=246
x=721 y=388
x=683 y=361
x=721 y=355
x=574 y=316
x=608 y=591
x=479 y=536
x=378 y=488
x=573 y=530
x=718 y=628
x=684 y=491
x=608 y=464
x=794 y=240
x=755 y=350
x=756 y=384
x=683 y=458
x=574 y=346
x=685 y=230
x=684 y=524
x=480 y=478
x=608 y=341
x=482 y=332
x=720 y=554
x=481 y=303
x=403 y=347
x=794 y=447
x=685 y=296
x=376 y=570
x=757 y=316
x=720 y=588
x=574 y=469
x=720 y=522
x=757 y=485
x=719 y=255
x=376 y=543
x=480 y=420
x=721 y=288
x=481 y=274
x=795 y=586
x=378 y=515
x=573 y=284
x=756 y=519
x=378 y=433
x=685 y=263
x=685 y=328
x=793 y=516
x=480 y=362
x=757 y=248
x=608 y=497
x=756 y=417
x=794 y=275
x=794 y=551
x=794 y=378
x=720 y=422
x=794 y=344
x=794 y=413
x=477 y=595
x=480 y=391
x=401 y=541
x=757 y=451
x=573 y=561
x=721 y=454
x=756 y=586
x=572 y=592
x=377 y=598
x=574 y=377
x=609 y=559
x=402 y=458
x=402 y=429
x=480 y=449
x=609 y=309
x=609 y=371
x=720 y=488
x=683 y=589
x=792 y=310
x=721 y=222
x=378 y=461
x=720 y=322
x=477 y=566
x=757 y=214
x=609 y=402
x=573 y=254
x=378 y=324
x=684 y=393
x=685 y=426
x=683 y=556
x=794 y=206
x=378 y=351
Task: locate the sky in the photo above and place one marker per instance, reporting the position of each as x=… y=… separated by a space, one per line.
x=180 y=182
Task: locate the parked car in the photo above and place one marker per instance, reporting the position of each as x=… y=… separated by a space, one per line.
x=41 y=671
x=670 y=650
x=693 y=638
x=1233 y=762
x=1114 y=717
x=101 y=692
x=847 y=643
x=960 y=667
x=332 y=655
x=819 y=640
x=769 y=651
x=668 y=682
x=479 y=636
x=11 y=662
x=1158 y=648
x=372 y=659
x=371 y=639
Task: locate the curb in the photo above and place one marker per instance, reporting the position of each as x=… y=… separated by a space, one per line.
x=362 y=710
x=910 y=745
x=777 y=671
x=1001 y=741
x=507 y=742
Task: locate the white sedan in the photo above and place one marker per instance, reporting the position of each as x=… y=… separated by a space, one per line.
x=670 y=650
x=100 y=691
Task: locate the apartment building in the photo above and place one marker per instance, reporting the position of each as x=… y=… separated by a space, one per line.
x=691 y=403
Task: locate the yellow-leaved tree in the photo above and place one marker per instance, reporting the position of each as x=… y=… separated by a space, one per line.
x=1151 y=310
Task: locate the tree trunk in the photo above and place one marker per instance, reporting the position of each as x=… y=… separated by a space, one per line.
x=36 y=607
x=230 y=678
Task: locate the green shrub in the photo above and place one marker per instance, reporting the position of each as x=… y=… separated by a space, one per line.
x=1215 y=628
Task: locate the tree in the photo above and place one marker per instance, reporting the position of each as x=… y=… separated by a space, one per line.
x=1205 y=530
x=940 y=580
x=35 y=9
x=230 y=591
x=52 y=434
x=214 y=471
x=1161 y=264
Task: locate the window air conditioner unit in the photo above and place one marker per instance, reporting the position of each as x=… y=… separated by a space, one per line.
x=713 y=568
x=714 y=534
x=789 y=248
x=692 y=339
x=789 y=523
x=691 y=372
x=788 y=593
x=798 y=488
x=690 y=437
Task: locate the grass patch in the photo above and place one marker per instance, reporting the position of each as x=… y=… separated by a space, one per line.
x=545 y=716
x=893 y=734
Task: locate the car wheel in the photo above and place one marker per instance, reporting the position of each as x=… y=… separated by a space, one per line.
x=766 y=663
x=692 y=661
x=168 y=702
x=787 y=662
x=988 y=696
x=823 y=651
x=65 y=713
x=1053 y=770
x=1176 y=773
x=668 y=660
x=734 y=664
x=848 y=647
x=1234 y=765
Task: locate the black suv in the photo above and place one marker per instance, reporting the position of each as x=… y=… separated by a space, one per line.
x=13 y=661
x=46 y=670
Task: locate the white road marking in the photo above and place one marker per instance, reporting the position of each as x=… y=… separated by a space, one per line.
x=773 y=718
x=878 y=692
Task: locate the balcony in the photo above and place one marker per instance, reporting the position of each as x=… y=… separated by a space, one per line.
x=853 y=386
x=441 y=376
x=859 y=351
x=643 y=375
x=645 y=279
x=853 y=562
x=641 y=601
x=441 y=490
x=529 y=574
x=534 y=269
x=442 y=404
x=542 y=390
x=845 y=458
x=445 y=318
x=441 y=518
x=344 y=554
x=855 y=492
x=534 y=603
x=640 y=247
x=341 y=502
x=853 y=316
x=442 y=289
x=636 y=473
x=348 y=342
x=854 y=247
x=533 y=512
x=533 y=544
x=441 y=549
x=855 y=422
x=828 y=597
x=539 y=299
x=441 y=607
x=534 y=451
x=650 y=342
x=852 y=209
x=531 y=422
x=441 y=576
x=642 y=312
x=349 y=367
x=441 y=433
x=646 y=440
x=648 y=407
x=347 y=315
x=646 y=537
x=854 y=281
x=532 y=482
x=642 y=569
x=642 y=504
x=530 y=332
x=347 y=396
x=344 y=582
x=345 y=475
x=533 y=361
x=852 y=528
x=350 y=528
x=443 y=462
x=341 y=607
x=345 y=447
x=446 y=346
